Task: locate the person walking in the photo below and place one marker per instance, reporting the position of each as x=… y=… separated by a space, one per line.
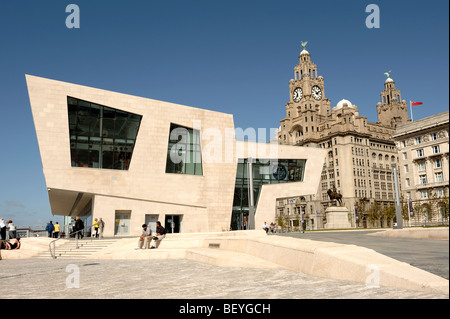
x=57 y=230
x=79 y=226
x=12 y=229
x=2 y=229
x=101 y=227
x=95 y=224
x=50 y=228
x=160 y=235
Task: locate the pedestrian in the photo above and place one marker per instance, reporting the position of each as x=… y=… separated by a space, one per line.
x=79 y=226
x=145 y=238
x=12 y=229
x=95 y=224
x=266 y=227
x=272 y=227
x=57 y=230
x=303 y=226
x=50 y=228
x=101 y=226
x=2 y=229
x=160 y=235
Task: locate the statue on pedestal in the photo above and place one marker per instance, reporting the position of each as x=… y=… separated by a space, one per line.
x=333 y=194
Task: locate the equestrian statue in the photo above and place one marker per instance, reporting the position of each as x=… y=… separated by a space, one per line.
x=333 y=194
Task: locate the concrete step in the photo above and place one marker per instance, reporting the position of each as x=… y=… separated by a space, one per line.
x=87 y=247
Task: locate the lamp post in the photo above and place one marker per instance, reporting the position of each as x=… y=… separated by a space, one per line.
x=251 y=206
x=398 y=210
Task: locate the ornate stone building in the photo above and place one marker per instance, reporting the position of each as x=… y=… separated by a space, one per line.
x=360 y=153
x=424 y=164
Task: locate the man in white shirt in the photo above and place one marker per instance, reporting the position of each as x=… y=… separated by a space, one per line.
x=2 y=229
x=266 y=227
x=145 y=238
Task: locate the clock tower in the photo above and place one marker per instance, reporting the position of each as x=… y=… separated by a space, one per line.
x=392 y=110
x=307 y=105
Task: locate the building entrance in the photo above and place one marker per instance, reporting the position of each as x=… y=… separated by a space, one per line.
x=173 y=223
x=122 y=222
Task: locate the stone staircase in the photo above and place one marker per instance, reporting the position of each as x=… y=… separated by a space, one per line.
x=65 y=248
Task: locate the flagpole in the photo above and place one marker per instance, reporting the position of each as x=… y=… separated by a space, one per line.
x=410 y=106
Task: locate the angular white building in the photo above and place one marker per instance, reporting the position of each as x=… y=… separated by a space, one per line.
x=133 y=160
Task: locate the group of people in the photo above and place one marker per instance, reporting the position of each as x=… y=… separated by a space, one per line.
x=8 y=236
x=99 y=225
x=76 y=229
x=272 y=227
x=7 y=230
x=53 y=230
x=146 y=236
x=267 y=227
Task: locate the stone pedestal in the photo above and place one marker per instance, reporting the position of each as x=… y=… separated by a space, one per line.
x=337 y=217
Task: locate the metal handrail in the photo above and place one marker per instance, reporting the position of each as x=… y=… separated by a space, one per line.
x=52 y=244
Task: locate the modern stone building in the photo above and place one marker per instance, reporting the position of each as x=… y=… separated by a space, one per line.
x=424 y=164
x=132 y=160
x=359 y=153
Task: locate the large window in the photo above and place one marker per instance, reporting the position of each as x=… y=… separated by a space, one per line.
x=284 y=171
x=100 y=136
x=184 y=151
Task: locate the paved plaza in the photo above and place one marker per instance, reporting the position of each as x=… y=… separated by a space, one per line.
x=181 y=279
x=427 y=254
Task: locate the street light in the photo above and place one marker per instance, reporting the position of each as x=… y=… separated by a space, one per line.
x=251 y=204
x=398 y=210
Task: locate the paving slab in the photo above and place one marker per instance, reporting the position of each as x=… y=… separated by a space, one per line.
x=182 y=279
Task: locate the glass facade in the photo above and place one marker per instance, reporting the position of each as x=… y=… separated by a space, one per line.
x=264 y=172
x=184 y=151
x=100 y=136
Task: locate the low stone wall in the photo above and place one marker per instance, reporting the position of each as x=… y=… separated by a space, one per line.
x=336 y=261
x=440 y=233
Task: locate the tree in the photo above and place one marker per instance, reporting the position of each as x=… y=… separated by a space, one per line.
x=389 y=212
x=361 y=207
x=374 y=213
x=405 y=209
x=428 y=210
x=444 y=207
x=418 y=210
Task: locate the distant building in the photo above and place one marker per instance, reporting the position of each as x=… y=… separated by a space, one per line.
x=424 y=165
x=360 y=153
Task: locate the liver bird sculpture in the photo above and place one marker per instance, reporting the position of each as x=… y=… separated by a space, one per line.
x=304 y=44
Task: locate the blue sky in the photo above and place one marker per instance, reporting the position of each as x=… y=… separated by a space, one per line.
x=230 y=56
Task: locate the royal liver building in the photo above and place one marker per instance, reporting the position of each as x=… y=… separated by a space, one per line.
x=360 y=153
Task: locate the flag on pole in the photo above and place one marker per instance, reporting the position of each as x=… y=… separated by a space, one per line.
x=411 y=104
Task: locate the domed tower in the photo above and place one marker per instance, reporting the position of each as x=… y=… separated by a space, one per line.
x=307 y=104
x=392 y=110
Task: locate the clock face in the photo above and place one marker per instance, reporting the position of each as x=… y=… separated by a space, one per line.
x=316 y=93
x=297 y=94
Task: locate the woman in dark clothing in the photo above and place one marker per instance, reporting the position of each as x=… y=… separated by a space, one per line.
x=14 y=244
x=160 y=234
